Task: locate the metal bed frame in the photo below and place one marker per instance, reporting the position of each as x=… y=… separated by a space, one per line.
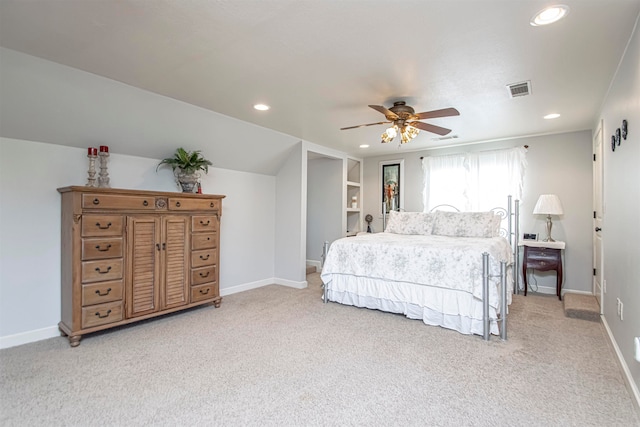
x=511 y=233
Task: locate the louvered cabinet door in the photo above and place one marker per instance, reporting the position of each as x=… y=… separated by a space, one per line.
x=143 y=265
x=175 y=282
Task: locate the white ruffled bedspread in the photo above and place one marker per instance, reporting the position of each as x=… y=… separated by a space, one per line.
x=440 y=274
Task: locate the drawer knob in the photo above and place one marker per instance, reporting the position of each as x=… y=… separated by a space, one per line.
x=103 y=227
x=204 y=275
x=178 y=204
x=101 y=249
x=103 y=272
x=204 y=291
x=204 y=258
x=103 y=295
x=205 y=224
x=211 y=205
x=145 y=203
x=101 y=316
x=96 y=201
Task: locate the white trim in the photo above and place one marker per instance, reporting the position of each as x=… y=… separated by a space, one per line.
x=290 y=283
x=629 y=382
x=245 y=287
x=314 y=263
x=29 y=337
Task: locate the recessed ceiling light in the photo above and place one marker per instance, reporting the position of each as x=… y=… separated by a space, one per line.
x=552 y=116
x=261 y=107
x=549 y=15
x=364 y=146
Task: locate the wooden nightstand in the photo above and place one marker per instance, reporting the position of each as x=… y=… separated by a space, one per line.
x=543 y=256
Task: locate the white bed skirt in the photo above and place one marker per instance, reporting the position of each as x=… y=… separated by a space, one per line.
x=451 y=309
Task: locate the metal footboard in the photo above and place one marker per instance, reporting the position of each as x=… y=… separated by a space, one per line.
x=486 y=320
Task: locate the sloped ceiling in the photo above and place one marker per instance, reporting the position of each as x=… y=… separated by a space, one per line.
x=319 y=63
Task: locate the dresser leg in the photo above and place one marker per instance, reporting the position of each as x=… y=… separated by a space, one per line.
x=74 y=340
x=217 y=302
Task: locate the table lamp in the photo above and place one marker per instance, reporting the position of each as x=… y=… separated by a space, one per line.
x=548 y=204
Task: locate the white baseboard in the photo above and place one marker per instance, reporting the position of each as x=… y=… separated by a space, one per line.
x=630 y=383
x=246 y=287
x=53 y=331
x=29 y=337
x=291 y=283
x=314 y=263
x=552 y=291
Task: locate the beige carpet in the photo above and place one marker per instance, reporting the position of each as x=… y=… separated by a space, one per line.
x=277 y=356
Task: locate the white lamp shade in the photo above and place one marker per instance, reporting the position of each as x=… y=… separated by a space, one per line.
x=548 y=204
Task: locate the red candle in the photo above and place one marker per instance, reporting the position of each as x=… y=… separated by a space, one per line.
x=104 y=149
x=92 y=151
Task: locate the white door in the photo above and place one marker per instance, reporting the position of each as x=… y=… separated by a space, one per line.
x=598 y=212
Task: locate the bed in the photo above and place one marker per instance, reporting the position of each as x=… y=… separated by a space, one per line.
x=449 y=269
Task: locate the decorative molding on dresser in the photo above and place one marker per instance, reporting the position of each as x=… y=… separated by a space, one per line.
x=129 y=255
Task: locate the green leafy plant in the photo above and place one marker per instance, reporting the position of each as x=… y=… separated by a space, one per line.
x=187 y=161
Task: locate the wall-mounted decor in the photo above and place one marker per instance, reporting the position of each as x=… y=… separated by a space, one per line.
x=391 y=187
x=613 y=143
x=624 y=130
x=618 y=138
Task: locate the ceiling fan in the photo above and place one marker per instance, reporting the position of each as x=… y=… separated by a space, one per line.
x=404 y=121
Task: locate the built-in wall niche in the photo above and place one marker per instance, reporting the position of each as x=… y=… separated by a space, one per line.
x=353 y=196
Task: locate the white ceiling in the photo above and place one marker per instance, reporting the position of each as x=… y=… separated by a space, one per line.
x=319 y=63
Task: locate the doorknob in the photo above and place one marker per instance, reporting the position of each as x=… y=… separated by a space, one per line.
x=598 y=229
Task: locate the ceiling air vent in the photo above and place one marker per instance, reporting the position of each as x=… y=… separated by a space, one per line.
x=520 y=89
x=444 y=138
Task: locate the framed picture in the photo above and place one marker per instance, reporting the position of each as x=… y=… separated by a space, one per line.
x=391 y=185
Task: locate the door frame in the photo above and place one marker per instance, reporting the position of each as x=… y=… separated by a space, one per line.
x=598 y=215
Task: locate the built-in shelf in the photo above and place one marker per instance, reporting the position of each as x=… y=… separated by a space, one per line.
x=353 y=186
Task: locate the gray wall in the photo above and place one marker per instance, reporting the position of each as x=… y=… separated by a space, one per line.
x=559 y=164
x=324 y=204
x=621 y=226
x=30 y=227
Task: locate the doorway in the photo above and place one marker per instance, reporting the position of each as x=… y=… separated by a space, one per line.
x=324 y=204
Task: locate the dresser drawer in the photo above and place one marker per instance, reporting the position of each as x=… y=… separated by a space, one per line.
x=102 y=270
x=98 y=293
x=205 y=257
x=101 y=248
x=102 y=225
x=101 y=314
x=204 y=292
x=203 y=275
x=203 y=241
x=111 y=201
x=204 y=223
x=188 y=204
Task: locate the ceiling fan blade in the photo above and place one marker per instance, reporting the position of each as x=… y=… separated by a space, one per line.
x=390 y=115
x=430 y=128
x=445 y=112
x=359 y=126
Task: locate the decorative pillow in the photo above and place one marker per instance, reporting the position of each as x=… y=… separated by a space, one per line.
x=495 y=225
x=466 y=224
x=410 y=223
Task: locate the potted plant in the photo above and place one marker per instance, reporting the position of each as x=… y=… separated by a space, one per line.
x=185 y=165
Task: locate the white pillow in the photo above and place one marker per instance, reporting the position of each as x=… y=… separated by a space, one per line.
x=466 y=224
x=410 y=223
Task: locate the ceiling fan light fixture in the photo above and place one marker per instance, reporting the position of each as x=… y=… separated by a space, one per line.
x=390 y=134
x=549 y=15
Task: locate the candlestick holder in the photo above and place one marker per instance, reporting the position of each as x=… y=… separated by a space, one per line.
x=103 y=176
x=91 y=180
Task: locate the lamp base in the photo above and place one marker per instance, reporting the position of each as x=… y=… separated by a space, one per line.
x=549 y=226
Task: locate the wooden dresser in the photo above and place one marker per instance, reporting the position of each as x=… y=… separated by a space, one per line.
x=129 y=255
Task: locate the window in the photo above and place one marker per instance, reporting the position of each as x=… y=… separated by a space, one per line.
x=474 y=181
